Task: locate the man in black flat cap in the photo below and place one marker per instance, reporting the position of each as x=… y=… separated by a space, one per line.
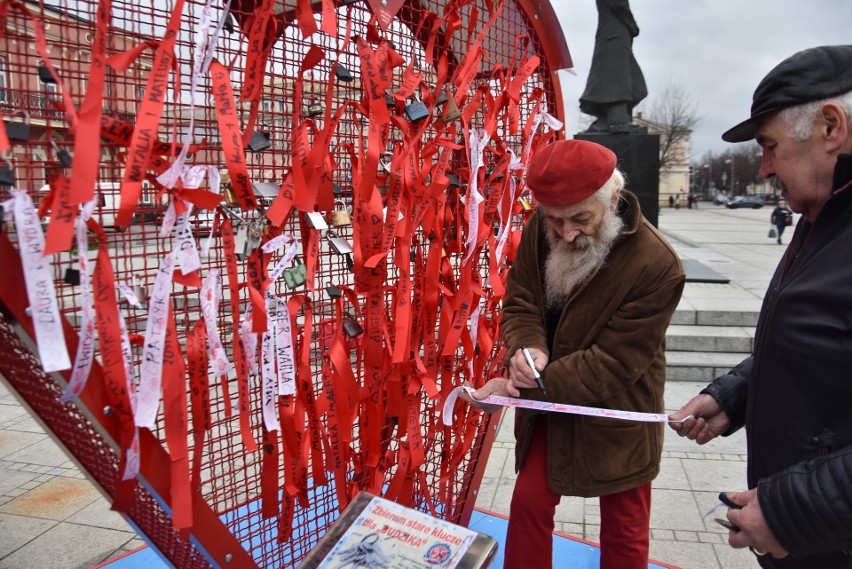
x=794 y=393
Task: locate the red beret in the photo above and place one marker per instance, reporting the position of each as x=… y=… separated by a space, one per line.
x=566 y=172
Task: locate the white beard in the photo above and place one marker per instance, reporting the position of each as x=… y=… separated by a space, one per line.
x=568 y=265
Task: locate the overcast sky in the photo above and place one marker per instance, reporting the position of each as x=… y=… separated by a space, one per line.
x=716 y=50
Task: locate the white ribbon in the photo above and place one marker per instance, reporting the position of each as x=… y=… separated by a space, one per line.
x=41 y=293
x=506 y=218
x=478 y=141
x=132 y=454
x=292 y=244
x=269 y=379
x=86 y=345
x=284 y=351
x=209 y=310
x=155 y=340
x=447 y=415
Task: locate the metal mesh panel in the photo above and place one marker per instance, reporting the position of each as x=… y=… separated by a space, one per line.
x=230 y=476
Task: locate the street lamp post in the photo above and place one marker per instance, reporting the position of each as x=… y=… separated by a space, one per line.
x=731 y=162
x=709 y=177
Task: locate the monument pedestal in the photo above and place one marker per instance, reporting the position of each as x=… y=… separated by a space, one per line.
x=639 y=160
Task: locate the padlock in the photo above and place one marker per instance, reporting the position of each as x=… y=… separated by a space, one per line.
x=451 y=111
x=416 y=111
x=296 y=275
x=7 y=175
x=389 y=100
x=442 y=98
x=44 y=74
x=61 y=154
x=241 y=240
x=336 y=190
x=316 y=220
x=525 y=203
x=259 y=141
x=72 y=276
x=343 y=74
x=313 y=109
x=454 y=182
x=338 y=244
x=228 y=25
x=255 y=234
x=351 y=327
x=230 y=196
x=18 y=130
x=340 y=216
x=333 y=291
x=141 y=292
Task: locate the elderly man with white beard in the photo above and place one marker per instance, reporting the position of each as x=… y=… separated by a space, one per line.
x=590 y=294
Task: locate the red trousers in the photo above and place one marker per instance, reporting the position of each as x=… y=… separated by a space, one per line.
x=625 y=518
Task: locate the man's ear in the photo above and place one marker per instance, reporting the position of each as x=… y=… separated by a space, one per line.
x=834 y=126
x=615 y=197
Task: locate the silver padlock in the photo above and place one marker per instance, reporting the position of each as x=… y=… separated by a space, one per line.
x=341 y=215
x=338 y=244
x=241 y=240
x=61 y=154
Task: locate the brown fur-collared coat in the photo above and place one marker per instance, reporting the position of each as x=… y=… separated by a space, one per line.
x=609 y=351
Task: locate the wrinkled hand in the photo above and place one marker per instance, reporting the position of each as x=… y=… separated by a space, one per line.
x=520 y=374
x=495 y=386
x=754 y=532
x=708 y=421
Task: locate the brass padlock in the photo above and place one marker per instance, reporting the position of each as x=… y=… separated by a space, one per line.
x=451 y=111
x=525 y=203
x=18 y=130
x=7 y=175
x=259 y=141
x=340 y=216
x=416 y=111
x=230 y=195
x=296 y=275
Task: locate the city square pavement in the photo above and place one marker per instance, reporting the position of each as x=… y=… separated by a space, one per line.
x=51 y=517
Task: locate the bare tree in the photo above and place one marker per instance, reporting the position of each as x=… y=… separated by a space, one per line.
x=675 y=114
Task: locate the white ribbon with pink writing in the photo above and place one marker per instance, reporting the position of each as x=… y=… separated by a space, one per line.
x=86 y=345
x=41 y=293
x=151 y=376
x=552 y=407
x=478 y=141
x=209 y=310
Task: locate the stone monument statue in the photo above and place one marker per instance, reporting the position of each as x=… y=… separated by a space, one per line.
x=615 y=83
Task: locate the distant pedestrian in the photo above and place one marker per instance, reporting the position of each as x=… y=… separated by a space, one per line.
x=782 y=216
x=694 y=201
x=671 y=201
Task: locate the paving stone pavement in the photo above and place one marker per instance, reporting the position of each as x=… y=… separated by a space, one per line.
x=51 y=517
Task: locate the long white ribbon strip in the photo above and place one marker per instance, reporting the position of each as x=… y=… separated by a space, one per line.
x=447 y=415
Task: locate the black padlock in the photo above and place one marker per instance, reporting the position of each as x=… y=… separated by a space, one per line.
x=45 y=75
x=18 y=130
x=7 y=175
x=351 y=327
x=454 y=182
x=72 y=276
x=389 y=100
x=333 y=291
x=416 y=111
x=313 y=109
x=228 y=26
x=259 y=141
x=62 y=154
x=442 y=98
x=336 y=190
x=343 y=74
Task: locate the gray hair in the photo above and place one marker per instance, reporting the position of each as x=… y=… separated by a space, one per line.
x=800 y=119
x=615 y=182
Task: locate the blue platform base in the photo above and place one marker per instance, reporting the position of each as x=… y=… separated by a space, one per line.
x=570 y=551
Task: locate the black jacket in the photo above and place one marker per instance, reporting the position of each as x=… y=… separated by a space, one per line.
x=794 y=394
